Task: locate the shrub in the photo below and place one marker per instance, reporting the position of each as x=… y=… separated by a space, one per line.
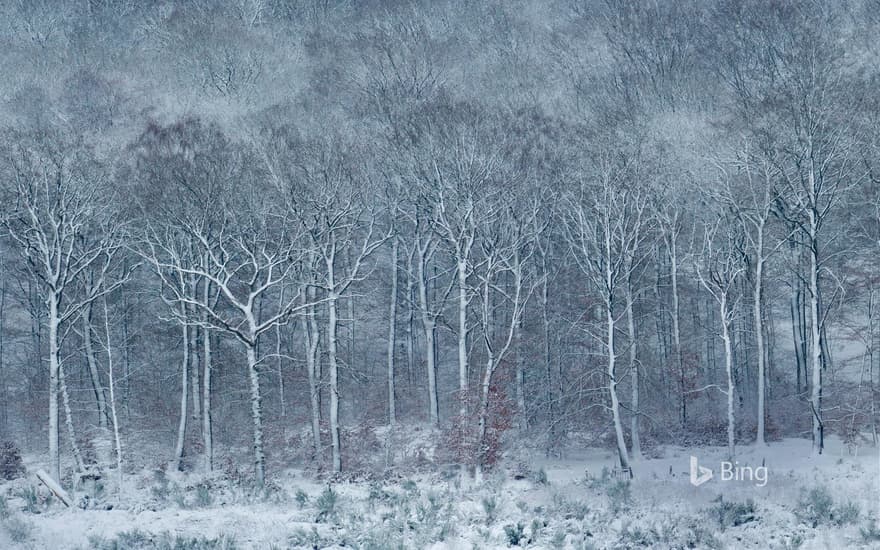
x=301 y=498
x=558 y=540
x=598 y=482
x=620 y=496
x=4 y=508
x=794 y=542
x=326 y=504
x=29 y=496
x=570 y=510
x=203 y=495
x=870 y=532
x=161 y=489
x=461 y=442
x=697 y=536
x=733 y=514
x=490 y=506
x=515 y=533
x=307 y=539
x=846 y=514
x=537 y=526
x=11 y=466
x=636 y=537
x=141 y=540
x=540 y=477
x=816 y=507
x=19 y=530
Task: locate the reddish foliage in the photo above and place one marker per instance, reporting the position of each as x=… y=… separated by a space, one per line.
x=461 y=441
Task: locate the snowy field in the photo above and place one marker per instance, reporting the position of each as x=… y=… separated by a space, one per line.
x=820 y=502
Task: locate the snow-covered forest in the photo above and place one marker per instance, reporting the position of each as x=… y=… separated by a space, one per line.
x=439 y=274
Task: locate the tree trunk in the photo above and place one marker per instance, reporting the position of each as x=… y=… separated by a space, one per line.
x=520 y=377
x=55 y=487
x=86 y=317
x=3 y=378
x=462 y=338
x=126 y=359
x=428 y=323
x=53 y=321
x=794 y=306
x=676 y=330
x=194 y=376
x=548 y=366
x=207 y=427
x=728 y=364
x=184 y=394
x=334 y=378
x=256 y=414
x=484 y=416
x=622 y=455
x=759 y=338
x=68 y=420
x=313 y=337
x=392 y=333
x=114 y=416
x=816 y=344
x=634 y=373
x=410 y=323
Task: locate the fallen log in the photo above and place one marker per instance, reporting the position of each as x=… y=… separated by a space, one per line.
x=56 y=489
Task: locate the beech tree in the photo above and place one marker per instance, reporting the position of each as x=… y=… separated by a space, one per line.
x=64 y=228
x=602 y=218
x=718 y=268
x=251 y=249
x=505 y=252
x=340 y=223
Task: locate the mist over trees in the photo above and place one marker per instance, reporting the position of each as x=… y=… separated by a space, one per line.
x=273 y=233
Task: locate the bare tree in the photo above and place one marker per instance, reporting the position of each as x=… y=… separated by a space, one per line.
x=752 y=194
x=340 y=222
x=64 y=230
x=506 y=250
x=601 y=226
x=718 y=270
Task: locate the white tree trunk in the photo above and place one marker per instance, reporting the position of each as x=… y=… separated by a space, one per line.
x=392 y=333
x=53 y=321
x=256 y=416
x=815 y=344
x=676 y=328
x=184 y=394
x=622 y=454
x=410 y=333
x=68 y=420
x=728 y=365
x=93 y=367
x=484 y=416
x=759 y=340
x=462 y=338
x=313 y=337
x=428 y=324
x=634 y=374
x=207 y=428
x=194 y=377
x=113 y=414
x=334 y=379
x=520 y=377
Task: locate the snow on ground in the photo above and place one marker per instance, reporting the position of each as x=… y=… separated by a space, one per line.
x=807 y=502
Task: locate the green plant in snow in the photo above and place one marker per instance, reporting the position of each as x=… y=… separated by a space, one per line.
x=18 y=529
x=301 y=498
x=326 y=503
x=515 y=533
x=490 y=506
